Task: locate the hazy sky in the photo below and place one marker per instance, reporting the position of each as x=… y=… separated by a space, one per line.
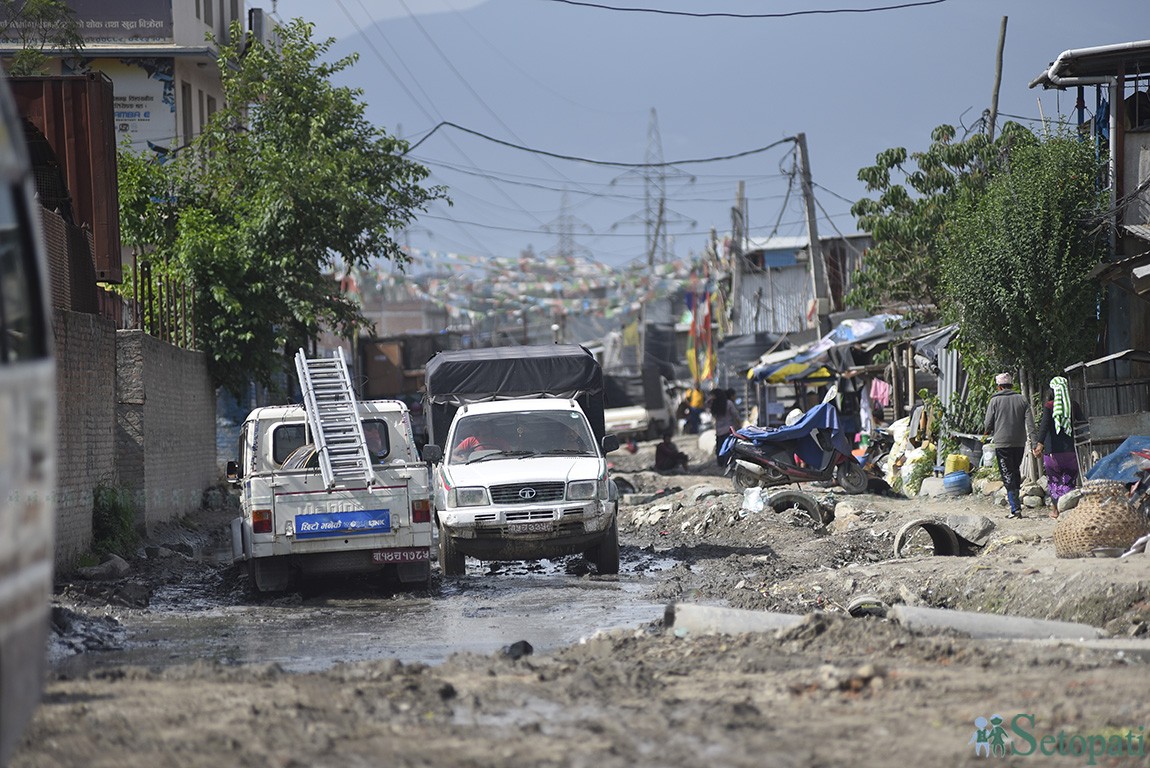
x=582 y=82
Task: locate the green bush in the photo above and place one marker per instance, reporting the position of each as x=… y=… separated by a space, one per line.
x=113 y=521
x=920 y=470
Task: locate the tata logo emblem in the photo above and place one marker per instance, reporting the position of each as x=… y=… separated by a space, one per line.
x=527 y=493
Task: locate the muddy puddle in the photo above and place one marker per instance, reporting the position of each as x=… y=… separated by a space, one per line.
x=487 y=610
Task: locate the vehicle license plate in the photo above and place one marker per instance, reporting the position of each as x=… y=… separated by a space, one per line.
x=538 y=526
x=413 y=555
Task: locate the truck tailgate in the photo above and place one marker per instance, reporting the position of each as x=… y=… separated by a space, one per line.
x=317 y=519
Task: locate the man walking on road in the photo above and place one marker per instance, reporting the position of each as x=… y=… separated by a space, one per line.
x=1009 y=423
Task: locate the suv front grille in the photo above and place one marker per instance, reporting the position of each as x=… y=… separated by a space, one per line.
x=527 y=493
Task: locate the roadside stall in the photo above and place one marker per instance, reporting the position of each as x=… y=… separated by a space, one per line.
x=1114 y=393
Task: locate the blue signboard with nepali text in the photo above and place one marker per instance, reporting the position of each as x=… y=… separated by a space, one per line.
x=351 y=523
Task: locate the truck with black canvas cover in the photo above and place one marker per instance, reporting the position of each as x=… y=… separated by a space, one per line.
x=518 y=452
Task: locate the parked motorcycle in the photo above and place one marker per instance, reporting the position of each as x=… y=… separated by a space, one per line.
x=874 y=460
x=813 y=449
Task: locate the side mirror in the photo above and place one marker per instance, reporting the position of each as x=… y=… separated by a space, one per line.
x=232 y=472
x=432 y=453
x=610 y=443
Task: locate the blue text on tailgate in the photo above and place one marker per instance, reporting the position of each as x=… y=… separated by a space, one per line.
x=342 y=523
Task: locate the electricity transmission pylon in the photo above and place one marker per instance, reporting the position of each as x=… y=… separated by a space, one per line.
x=655 y=174
x=564 y=226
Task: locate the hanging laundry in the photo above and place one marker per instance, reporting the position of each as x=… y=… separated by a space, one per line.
x=880 y=392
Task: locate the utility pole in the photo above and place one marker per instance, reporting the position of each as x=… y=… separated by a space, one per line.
x=997 y=81
x=820 y=289
x=738 y=236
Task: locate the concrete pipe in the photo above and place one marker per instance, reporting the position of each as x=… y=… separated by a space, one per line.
x=944 y=541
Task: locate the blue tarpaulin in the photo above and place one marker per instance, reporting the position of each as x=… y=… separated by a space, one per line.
x=822 y=416
x=1121 y=465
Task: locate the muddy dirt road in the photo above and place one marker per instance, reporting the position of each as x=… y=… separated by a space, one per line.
x=340 y=623
x=831 y=690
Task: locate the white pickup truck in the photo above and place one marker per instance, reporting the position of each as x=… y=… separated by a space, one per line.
x=636 y=404
x=293 y=525
x=518 y=452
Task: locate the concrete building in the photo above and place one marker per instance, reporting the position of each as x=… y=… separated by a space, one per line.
x=161 y=59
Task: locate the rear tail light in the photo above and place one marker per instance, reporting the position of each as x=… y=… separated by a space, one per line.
x=421 y=511
x=261 y=521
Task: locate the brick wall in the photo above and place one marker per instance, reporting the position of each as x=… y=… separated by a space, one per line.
x=165 y=426
x=86 y=410
x=132 y=411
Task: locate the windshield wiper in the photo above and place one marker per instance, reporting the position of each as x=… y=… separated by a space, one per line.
x=565 y=452
x=501 y=455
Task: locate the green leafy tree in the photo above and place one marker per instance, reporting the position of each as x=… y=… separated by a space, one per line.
x=907 y=215
x=1017 y=259
x=36 y=25
x=288 y=187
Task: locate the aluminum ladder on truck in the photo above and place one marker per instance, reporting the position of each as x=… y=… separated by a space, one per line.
x=333 y=419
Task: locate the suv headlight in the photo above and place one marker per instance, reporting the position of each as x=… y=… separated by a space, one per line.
x=468 y=497
x=582 y=490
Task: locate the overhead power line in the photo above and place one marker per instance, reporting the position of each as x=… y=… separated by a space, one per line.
x=836 y=194
x=600 y=192
x=721 y=14
x=613 y=163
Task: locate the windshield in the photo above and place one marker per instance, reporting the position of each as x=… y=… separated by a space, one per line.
x=523 y=434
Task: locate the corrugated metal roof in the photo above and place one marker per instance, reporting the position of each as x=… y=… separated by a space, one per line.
x=775 y=243
x=1141 y=231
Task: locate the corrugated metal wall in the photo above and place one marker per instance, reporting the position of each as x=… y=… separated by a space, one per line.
x=775 y=300
x=75 y=116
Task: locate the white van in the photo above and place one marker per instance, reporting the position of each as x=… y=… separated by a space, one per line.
x=293 y=526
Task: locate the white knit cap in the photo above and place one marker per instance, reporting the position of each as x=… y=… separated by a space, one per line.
x=1003 y=379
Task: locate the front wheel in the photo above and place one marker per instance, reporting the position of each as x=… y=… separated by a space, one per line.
x=851 y=477
x=452 y=562
x=605 y=554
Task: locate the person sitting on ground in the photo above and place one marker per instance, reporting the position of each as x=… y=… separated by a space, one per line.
x=668 y=457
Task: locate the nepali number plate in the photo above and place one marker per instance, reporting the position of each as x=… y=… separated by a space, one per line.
x=538 y=526
x=412 y=555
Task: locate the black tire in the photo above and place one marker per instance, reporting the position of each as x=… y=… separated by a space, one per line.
x=624 y=485
x=452 y=562
x=605 y=554
x=781 y=501
x=270 y=574
x=851 y=477
x=417 y=575
x=745 y=478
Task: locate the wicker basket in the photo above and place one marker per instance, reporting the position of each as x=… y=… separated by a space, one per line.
x=1102 y=518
